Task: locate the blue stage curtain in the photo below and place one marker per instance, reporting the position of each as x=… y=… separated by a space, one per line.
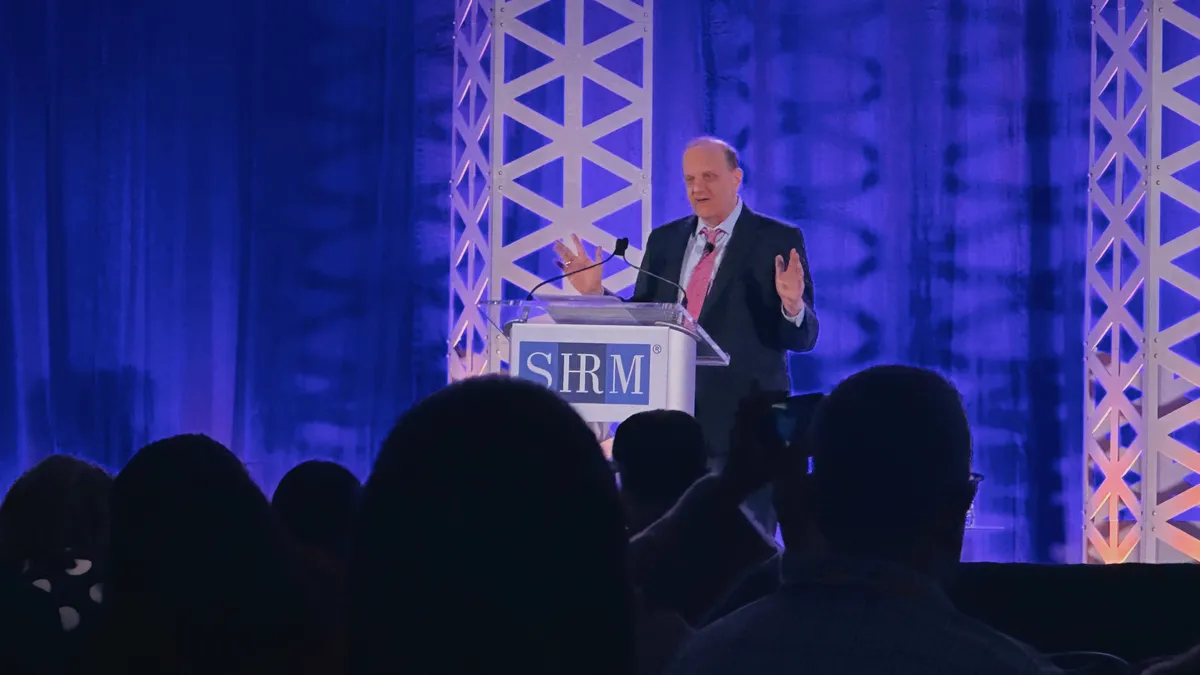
x=213 y=222
x=231 y=216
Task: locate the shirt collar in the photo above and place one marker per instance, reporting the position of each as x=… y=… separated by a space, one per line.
x=727 y=224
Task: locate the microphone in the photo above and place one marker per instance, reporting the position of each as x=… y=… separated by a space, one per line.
x=709 y=247
x=648 y=273
x=618 y=250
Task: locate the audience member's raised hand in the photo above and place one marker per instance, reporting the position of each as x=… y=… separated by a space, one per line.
x=754 y=448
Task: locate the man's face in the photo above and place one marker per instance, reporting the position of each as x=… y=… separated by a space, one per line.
x=712 y=186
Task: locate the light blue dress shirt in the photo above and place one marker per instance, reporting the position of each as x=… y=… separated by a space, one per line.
x=695 y=251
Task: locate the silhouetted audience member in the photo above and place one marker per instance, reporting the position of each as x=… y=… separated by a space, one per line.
x=32 y=641
x=691 y=557
x=316 y=502
x=54 y=534
x=200 y=579
x=659 y=455
x=491 y=540
x=892 y=484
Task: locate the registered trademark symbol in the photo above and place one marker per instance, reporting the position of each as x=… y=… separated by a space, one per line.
x=657 y=349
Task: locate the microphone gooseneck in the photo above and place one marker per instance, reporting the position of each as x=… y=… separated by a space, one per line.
x=682 y=290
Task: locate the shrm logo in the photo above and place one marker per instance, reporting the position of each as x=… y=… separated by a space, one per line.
x=589 y=372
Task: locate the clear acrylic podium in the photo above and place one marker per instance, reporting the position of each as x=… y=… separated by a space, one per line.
x=610 y=359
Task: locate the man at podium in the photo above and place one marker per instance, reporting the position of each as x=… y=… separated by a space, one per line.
x=743 y=276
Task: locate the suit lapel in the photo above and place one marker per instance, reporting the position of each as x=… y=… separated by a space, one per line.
x=740 y=245
x=676 y=252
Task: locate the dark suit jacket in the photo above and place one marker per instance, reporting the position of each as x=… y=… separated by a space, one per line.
x=742 y=312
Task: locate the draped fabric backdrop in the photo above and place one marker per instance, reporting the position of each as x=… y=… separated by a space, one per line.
x=231 y=217
x=213 y=223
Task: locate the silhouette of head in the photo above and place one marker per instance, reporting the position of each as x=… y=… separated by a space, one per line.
x=316 y=502
x=59 y=505
x=491 y=522
x=195 y=551
x=891 y=468
x=659 y=454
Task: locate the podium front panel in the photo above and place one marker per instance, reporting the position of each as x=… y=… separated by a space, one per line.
x=607 y=373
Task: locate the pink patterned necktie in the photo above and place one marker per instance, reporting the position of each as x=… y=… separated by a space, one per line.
x=701 y=279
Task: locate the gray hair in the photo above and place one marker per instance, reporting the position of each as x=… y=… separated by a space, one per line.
x=731 y=154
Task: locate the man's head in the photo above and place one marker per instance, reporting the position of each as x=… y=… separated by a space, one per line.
x=892 y=468
x=712 y=176
x=659 y=454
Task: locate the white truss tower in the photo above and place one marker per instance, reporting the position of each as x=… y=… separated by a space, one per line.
x=489 y=105
x=1142 y=447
